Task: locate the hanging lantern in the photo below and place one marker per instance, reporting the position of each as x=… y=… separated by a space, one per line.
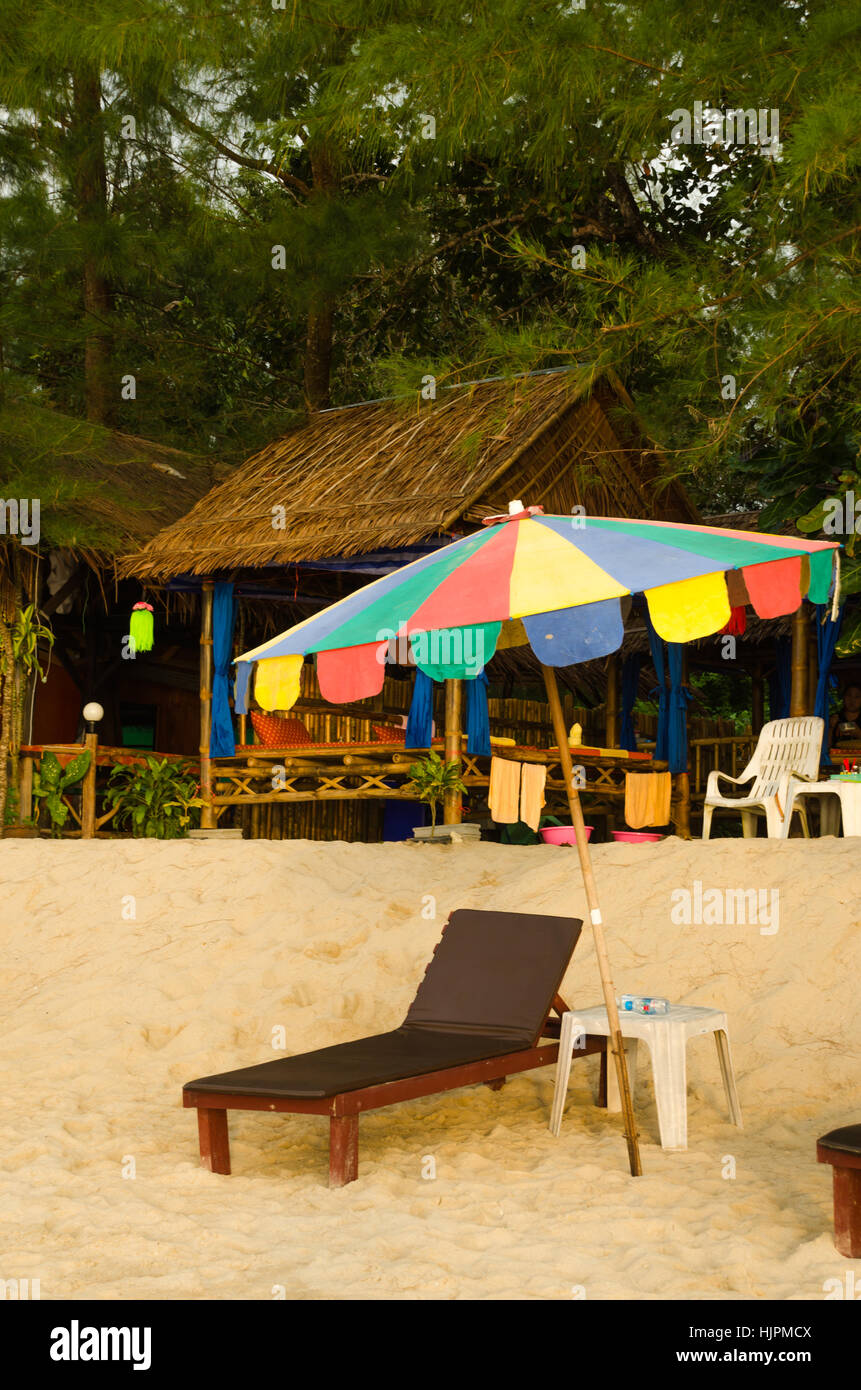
x=141 y=627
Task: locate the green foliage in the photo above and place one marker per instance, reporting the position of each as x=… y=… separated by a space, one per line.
x=431 y=778
x=51 y=781
x=723 y=696
x=155 y=799
x=304 y=128
x=27 y=633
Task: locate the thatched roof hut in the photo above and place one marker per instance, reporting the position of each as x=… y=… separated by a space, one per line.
x=100 y=491
x=395 y=472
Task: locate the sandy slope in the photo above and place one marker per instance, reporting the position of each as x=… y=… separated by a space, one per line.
x=105 y=1017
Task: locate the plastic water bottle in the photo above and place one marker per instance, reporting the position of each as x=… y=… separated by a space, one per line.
x=643 y=1004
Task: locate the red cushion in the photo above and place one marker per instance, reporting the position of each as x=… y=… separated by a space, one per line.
x=388 y=733
x=275 y=732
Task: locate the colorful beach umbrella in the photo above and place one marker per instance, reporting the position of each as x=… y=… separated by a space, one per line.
x=558 y=582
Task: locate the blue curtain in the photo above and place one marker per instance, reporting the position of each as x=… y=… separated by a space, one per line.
x=656 y=647
x=827 y=633
x=630 y=676
x=420 y=721
x=477 y=722
x=780 y=680
x=677 y=738
x=221 y=741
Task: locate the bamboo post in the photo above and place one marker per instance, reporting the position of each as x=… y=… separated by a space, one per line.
x=682 y=779
x=812 y=669
x=798 y=689
x=611 y=708
x=683 y=805
x=88 y=790
x=25 y=788
x=616 y=1044
x=207 y=816
x=453 y=802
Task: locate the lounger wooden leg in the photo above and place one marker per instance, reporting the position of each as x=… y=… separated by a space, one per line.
x=343 y=1149
x=497 y=1084
x=214 y=1140
x=847 y=1211
x=602 y=1075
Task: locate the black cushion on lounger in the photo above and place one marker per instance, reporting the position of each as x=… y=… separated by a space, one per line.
x=351 y=1066
x=487 y=991
x=846 y=1140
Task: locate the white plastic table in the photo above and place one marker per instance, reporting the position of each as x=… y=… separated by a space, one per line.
x=666 y=1036
x=849 y=798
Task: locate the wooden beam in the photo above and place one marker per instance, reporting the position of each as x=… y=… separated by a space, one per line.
x=88 y=790
x=611 y=708
x=207 y=815
x=798 y=689
x=453 y=803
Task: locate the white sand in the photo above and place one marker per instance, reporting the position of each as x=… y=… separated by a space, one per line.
x=104 y=1018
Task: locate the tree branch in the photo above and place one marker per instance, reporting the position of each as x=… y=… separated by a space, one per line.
x=246 y=161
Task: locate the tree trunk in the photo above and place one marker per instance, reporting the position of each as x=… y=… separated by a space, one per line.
x=7 y=677
x=91 y=196
x=318 y=353
x=321 y=311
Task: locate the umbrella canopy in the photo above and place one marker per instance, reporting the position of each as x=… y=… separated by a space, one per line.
x=566 y=577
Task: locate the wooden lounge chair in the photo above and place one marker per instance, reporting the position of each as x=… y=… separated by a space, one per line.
x=479 y=1015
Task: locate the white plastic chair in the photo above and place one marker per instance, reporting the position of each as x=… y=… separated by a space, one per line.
x=787 y=754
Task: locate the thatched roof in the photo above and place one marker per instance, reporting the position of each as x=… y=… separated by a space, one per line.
x=391 y=473
x=100 y=491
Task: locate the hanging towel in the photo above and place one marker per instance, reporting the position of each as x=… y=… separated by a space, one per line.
x=503 y=798
x=240 y=688
x=532 y=779
x=277 y=684
x=352 y=673
x=647 y=799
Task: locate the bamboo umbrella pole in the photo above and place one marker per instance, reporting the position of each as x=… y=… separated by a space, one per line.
x=616 y=1044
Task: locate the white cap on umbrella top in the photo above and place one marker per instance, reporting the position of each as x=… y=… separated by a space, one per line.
x=514 y=508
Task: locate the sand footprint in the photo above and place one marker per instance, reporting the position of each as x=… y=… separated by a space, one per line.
x=159 y=1035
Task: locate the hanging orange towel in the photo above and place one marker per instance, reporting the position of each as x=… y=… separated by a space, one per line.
x=532 y=779
x=503 y=798
x=647 y=799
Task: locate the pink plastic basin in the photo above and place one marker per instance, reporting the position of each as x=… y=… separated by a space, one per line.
x=635 y=837
x=563 y=834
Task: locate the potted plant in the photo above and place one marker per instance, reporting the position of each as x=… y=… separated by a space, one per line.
x=50 y=781
x=155 y=799
x=431 y=778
